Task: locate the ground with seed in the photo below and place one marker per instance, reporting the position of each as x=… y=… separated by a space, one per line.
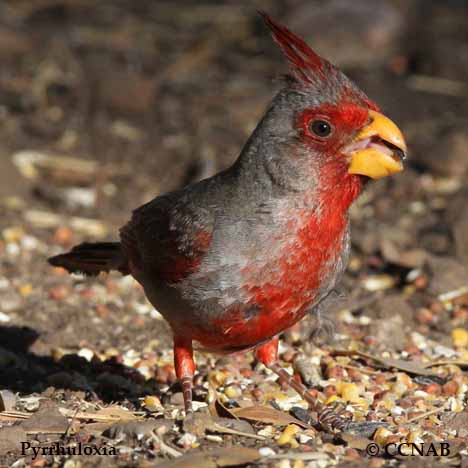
x=105 y=106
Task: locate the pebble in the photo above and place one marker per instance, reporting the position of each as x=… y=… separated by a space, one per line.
x=217 y=378
x=335 y=372
x=86 y=353
x=330 y=390
x=257 y=394
x=350 y=392
x=378 y=282
x=381 y=434
x=63 y=236
x=433 y=389
x=355 y=375
x=370 y=340
x=13 y=234
x=152 y=403
x=298 y=464
x=380 y=379
x=450 y=388
x=266 y=452
x=187 y=440
x=460 y=337
x=165 y=374
x=72 y=464
x=25 y=289
x=412 y=350
x=288 y=436
x=399 y=388
x=424 y=316
x=4 y=318
x=267 y=431
x=283 y=464
x=29 y=243
x=304 y=438
x=12 y=249
x=455 y=405
x=59 y=292
x=376 y=463
x=10 y=301
x=232 y=392
x=309 y=372
x=331 y=399
x=421 y=282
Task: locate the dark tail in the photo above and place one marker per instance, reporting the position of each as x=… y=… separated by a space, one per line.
x=91 y=259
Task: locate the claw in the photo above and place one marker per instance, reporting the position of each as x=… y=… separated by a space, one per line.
x=364 y=428
x=331 y=418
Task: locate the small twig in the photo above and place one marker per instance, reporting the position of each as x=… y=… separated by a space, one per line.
x=446 y=363
x=307 y=456
x=425 y=415
x=132 y=416
x=454 y=294
x=163 y=447
x=65 y=434
x=46 y=431
x=360 y=369
x=14 y=415
x=226 y=430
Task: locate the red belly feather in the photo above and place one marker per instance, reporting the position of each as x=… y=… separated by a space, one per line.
x=286 y=298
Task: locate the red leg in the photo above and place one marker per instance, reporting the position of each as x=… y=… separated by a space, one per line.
x=329 y=417
x=185 y=368
x=267 y=353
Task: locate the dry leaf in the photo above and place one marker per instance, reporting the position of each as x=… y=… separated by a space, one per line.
x=97 y=428
x=14 y=416
x=217 y=409
x=225 y=457
x=457 y=422
x=7 y=400
x=110 y=414
x=356 y=442
x=10 y=439
x=411 y=367
x=459 y=363
x=137 y=429
x=47 y=421
x=200 y=424
x=116 y=412
x=267 y=415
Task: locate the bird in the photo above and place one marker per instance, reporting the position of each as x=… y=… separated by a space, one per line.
x=235 y=259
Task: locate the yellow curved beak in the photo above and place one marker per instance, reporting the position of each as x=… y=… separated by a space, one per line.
x=378 y=149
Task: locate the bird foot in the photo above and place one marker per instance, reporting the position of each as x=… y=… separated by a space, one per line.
x=335 y=418
x=363 y=428
x=331 y=418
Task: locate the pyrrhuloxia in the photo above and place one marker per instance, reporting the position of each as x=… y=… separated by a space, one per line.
x=235 y=259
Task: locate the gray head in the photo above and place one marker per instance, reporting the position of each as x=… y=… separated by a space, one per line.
x=320 y=129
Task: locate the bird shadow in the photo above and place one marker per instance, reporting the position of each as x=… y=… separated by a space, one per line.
x=26 y=372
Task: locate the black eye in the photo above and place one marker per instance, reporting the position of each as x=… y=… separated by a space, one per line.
x=320 y=128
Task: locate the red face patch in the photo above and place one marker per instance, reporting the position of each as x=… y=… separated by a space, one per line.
x=343 y=121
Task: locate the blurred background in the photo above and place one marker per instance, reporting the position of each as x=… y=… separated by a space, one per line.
x=151 y=95
x=104 y=105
